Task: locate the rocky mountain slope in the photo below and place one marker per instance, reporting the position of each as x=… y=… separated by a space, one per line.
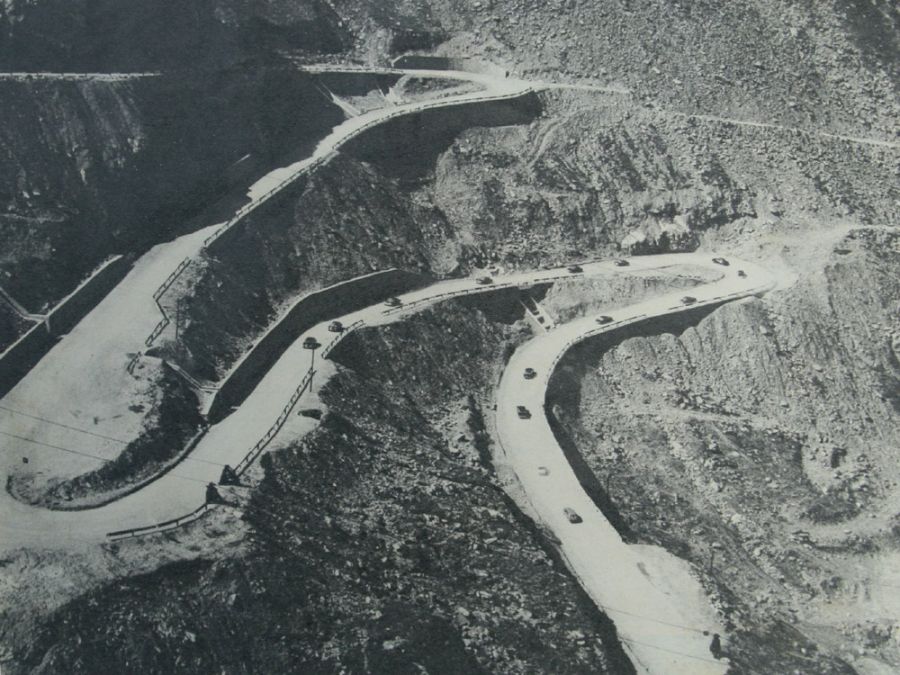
x=761 y=445
x=758 y=442
x=381 y=542
x=589 y=176
x=97 y=167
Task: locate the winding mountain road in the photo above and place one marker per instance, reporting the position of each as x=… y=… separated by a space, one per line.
x=665 y=605
x=658 y=607
x=82 y=381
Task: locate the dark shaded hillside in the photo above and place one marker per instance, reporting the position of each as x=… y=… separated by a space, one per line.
x=90 y=168
x=125 y=35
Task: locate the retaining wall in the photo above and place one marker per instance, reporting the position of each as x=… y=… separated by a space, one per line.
x=75 y=306
x=342 y=298
x=23 y=355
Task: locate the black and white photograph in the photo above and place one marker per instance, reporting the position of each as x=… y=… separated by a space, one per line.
x=450 y=337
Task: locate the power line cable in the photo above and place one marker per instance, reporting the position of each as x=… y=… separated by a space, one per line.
x=91 y=456
x=670 y=651
x=61 y=424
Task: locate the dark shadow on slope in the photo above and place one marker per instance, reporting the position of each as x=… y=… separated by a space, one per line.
x=564 y=393
x=407 y=147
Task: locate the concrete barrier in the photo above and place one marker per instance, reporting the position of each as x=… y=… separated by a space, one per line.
x=21 y=356
x=318 y=306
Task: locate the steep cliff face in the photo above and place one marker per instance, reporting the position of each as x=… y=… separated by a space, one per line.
x=761 y=445
x=95 y=167
x=349 y=218
x=66 y=147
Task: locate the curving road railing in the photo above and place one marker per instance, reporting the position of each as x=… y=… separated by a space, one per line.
x=245 y=210
x=165 y=526
x=252 y=454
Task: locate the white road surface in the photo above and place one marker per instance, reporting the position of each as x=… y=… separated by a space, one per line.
x=659 y=608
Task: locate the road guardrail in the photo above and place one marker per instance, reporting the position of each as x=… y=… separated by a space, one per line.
x=242 y=212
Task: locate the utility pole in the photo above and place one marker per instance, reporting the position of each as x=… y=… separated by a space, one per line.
x=312 y=345
x=177 y=317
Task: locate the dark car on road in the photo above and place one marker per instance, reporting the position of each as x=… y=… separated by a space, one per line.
x=530 y=373
x=336 y=327
x=311 y=343
x=523 y=412
x=543 y=471
x=572 y=515
x=575 y=269
x=622 y=263
x=603 y=319
x=688 y=300
x=393 y=302
x=742 y=274
x=484 y=281
x=721 y=261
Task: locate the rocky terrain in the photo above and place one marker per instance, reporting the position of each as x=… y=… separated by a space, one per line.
x=757 y=441
x=402 y=553
x=760 y=444
x=588 y=177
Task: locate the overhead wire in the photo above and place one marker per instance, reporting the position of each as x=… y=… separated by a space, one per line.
x=92 y=456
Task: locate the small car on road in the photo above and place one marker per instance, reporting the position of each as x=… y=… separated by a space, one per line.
x=603 y=319
x=484 y=281
x=530 y=373
x=523 y=412
x=543 y=471
x=721 y=261
x=621 y=262
x=336 y=327
x=688 y=300
x=742 y=274
x=575 y=269
x=311 y=343
x=572 y=515
x=393 y=302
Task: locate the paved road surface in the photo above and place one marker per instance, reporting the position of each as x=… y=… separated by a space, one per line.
x=664 y=605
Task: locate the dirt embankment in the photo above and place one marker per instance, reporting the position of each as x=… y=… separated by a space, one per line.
x=761 y=446
x=381 y=542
